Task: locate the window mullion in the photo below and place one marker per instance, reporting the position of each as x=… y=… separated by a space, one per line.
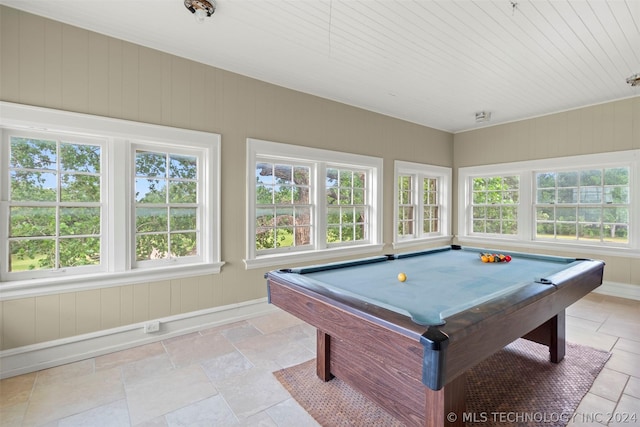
x=320 y=203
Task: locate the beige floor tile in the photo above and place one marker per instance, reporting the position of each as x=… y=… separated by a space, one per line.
x=196 y=348
x=130 y=355
x=212 y=411
x=12 y=415
x=290 y=414
x=53 y=400
x=633 y=387
x=627 y=412
x=145 y=369
x=17 y=389
x=628 y=345
x=279 y=349
x=162 y=394
x=114 y=414
x=252 y=391
x=609 y=384
x=620 y=327
x=274 y=322
x=70 y=370
x=625 y=362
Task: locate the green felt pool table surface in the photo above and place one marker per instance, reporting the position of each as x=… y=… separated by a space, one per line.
x=440 y=282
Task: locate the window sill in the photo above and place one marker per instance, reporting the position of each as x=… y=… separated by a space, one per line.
x=48 y=286
x=408 y=243
x=291 y=259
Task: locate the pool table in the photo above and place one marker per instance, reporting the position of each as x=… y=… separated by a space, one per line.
x=408 y=344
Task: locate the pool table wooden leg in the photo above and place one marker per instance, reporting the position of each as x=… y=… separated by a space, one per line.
x=552 y=334
x=557 y=346
x=323 y=346
x=445 y=407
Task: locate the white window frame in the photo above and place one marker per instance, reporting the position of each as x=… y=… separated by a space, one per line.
x=117 y=265
x=418 y=172
x=526 y=237
x=320 y=159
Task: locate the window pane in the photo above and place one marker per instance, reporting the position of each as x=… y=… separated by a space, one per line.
x=151 y=164
x=184 y=244
x=185 y=167
x=301 y=175
x=545 y=214
x=589 y=232
x=76 y=221
x=546 y=180
x=617 y=195
x=301 y=195
x=566 y=230
x=591 y=177
x=568 y=179
x=590 y=214
x=566 y=214
x=33 y=186
x=79 y=251
x=567 y=195
x=545 y=196
x=265 y=238
x=284 y=237
x=616 y=176
x=152 y=246
x=151 y=190
x=80 y=188
x=183 y=192
x=616 y=233
x=591 y=195
x=32 y=221
x=32 y=255
x=183 y=218
x=80 y=158
x=27 y=153
x=151 y=220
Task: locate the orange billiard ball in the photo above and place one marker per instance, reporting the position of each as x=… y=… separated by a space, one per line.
x=402 y=277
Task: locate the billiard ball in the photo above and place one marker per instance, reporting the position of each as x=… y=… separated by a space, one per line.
x=402 y=277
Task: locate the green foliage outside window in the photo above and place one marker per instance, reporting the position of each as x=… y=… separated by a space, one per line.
x=54 y=213
x=588 y=205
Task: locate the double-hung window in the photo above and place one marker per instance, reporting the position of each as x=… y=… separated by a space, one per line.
x=580 y=203
x=422 y=203
x=88 y=201
x=307 y=203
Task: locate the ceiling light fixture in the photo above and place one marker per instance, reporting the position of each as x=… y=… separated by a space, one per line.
x=483 y=116
x=634 y=80
x=202 y=9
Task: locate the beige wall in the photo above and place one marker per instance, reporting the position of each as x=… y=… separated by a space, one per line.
x=50 y=64
x=614 y=126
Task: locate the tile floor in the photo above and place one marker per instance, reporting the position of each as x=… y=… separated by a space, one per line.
x=223 y=376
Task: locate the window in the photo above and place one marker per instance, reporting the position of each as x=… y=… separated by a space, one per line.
x=167 y=204
x=54 y=204
x=423 y=199
x=308 y=203
x=574 y=202
x=114 y=201
x=494 y=203
x=587 y=205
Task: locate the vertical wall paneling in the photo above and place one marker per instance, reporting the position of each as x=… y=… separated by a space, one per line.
x=10 y=63
x=115 y=97
x=47 y=312
x=32 y=60
x=130 y=83
x=98 y=74
x=53 y=65
x=75 y=69
x=150 y=82
x=19 y=322
x=110 y=308
x=160 y=299
x=140 y=302
x=68 y=315
x=88 y=311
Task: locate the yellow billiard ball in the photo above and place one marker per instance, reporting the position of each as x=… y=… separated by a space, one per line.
x=402 y=277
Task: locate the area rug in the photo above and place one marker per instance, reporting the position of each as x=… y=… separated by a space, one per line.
x=516 y=386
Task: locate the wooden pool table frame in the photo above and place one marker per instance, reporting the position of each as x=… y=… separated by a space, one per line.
x=381 y=353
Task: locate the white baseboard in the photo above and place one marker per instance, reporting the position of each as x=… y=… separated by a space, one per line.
x=22 y=360
x=621 y=290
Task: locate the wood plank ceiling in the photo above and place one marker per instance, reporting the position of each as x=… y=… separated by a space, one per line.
x=434 y=63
